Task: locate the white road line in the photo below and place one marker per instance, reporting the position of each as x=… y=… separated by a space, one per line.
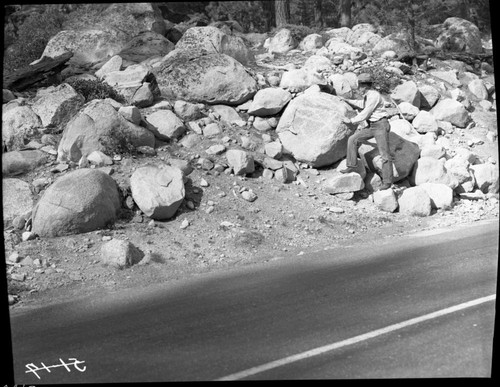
x=355 y=339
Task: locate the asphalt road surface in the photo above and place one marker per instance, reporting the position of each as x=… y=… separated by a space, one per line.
x=409 y=306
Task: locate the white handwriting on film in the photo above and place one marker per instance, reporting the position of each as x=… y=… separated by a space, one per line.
x=71 y=362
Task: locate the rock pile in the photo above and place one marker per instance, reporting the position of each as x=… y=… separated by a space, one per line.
x=206 y=86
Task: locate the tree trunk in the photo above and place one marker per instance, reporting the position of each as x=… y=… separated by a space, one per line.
x=270 y=14
x=412 y=23
x=345 y=13
x=281 y=12
x=318 y=13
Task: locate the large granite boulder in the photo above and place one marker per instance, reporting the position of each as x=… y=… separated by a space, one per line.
x=208 y=39
x=19 y=124
x=88 y=45
x=84 y=200
x=56 y=105
x=486 y=176
x=105 y=34
x=396 y=42
x=165 y=124
x=415 y=201
x=128 y=82
x=98 y=126
x=281 y=43
x=431 y=170
x=211 y=78
x=440 y=194
x=269 y=101
x=158 y=190
x=311 y=128
x=407 y=92
x=405 y=154
x=451 y=111
x=300 y=79
x=459 y=35
x=16 y=198
x=19 y=162
x=146 y=45
x=311 y=42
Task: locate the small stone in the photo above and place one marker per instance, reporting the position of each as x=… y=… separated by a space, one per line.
x=216 y=149
x=336 y=210
x=28 y=236
x=184 y=224
x=129 y=203
x=106 y=238
x=146 y=150
x=151 y=223
x=59 y=168
x=249 y=196
x=14 y=257
x=18 y=276
x=204 y=183
x=19 y=222
x=28 y=261
x=210 y=209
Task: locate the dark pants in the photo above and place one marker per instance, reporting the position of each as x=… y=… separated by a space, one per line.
x=380 y=131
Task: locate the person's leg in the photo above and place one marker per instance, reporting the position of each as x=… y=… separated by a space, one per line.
x=353 y=144
x=381 y=133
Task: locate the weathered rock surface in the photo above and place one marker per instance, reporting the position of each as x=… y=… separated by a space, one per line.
x=415 y=201
x=404 y=152
x=440 y=194
x=311 y=129
x=282 y=42
x=16 y=198
x=98 y=126
x=18 y=125
x=301 y=79
x=486 y=176
x=83 y=200
x=165 y=125
x=158 y=190
x=407 y=92
x=459 y=35
x=129 y=81
x=208 y=39
x=56 y=105
x=386 y=200
x=146 y=45
x=269 y=101
x=344 y=182
x=211 y=78
x=19 y=162
x=120 y=253
x=240 y=161
x=451 y=111
x=431 y=170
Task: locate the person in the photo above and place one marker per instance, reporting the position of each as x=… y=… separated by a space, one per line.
x=372 y=110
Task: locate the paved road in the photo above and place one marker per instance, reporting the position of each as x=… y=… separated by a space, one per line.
x=372 y=311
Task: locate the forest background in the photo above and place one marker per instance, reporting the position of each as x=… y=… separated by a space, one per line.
x=28 y=27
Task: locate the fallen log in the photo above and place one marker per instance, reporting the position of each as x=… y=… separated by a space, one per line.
x=43 y=71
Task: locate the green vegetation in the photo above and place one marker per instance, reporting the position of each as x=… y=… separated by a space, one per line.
x=32 y=37
x=95 y=89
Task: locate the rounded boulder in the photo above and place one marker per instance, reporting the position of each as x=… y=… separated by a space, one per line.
x=81 y=201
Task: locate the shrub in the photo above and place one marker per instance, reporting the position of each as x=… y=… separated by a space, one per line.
x=383 y=81
x=32 y=37
x=95 y=89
